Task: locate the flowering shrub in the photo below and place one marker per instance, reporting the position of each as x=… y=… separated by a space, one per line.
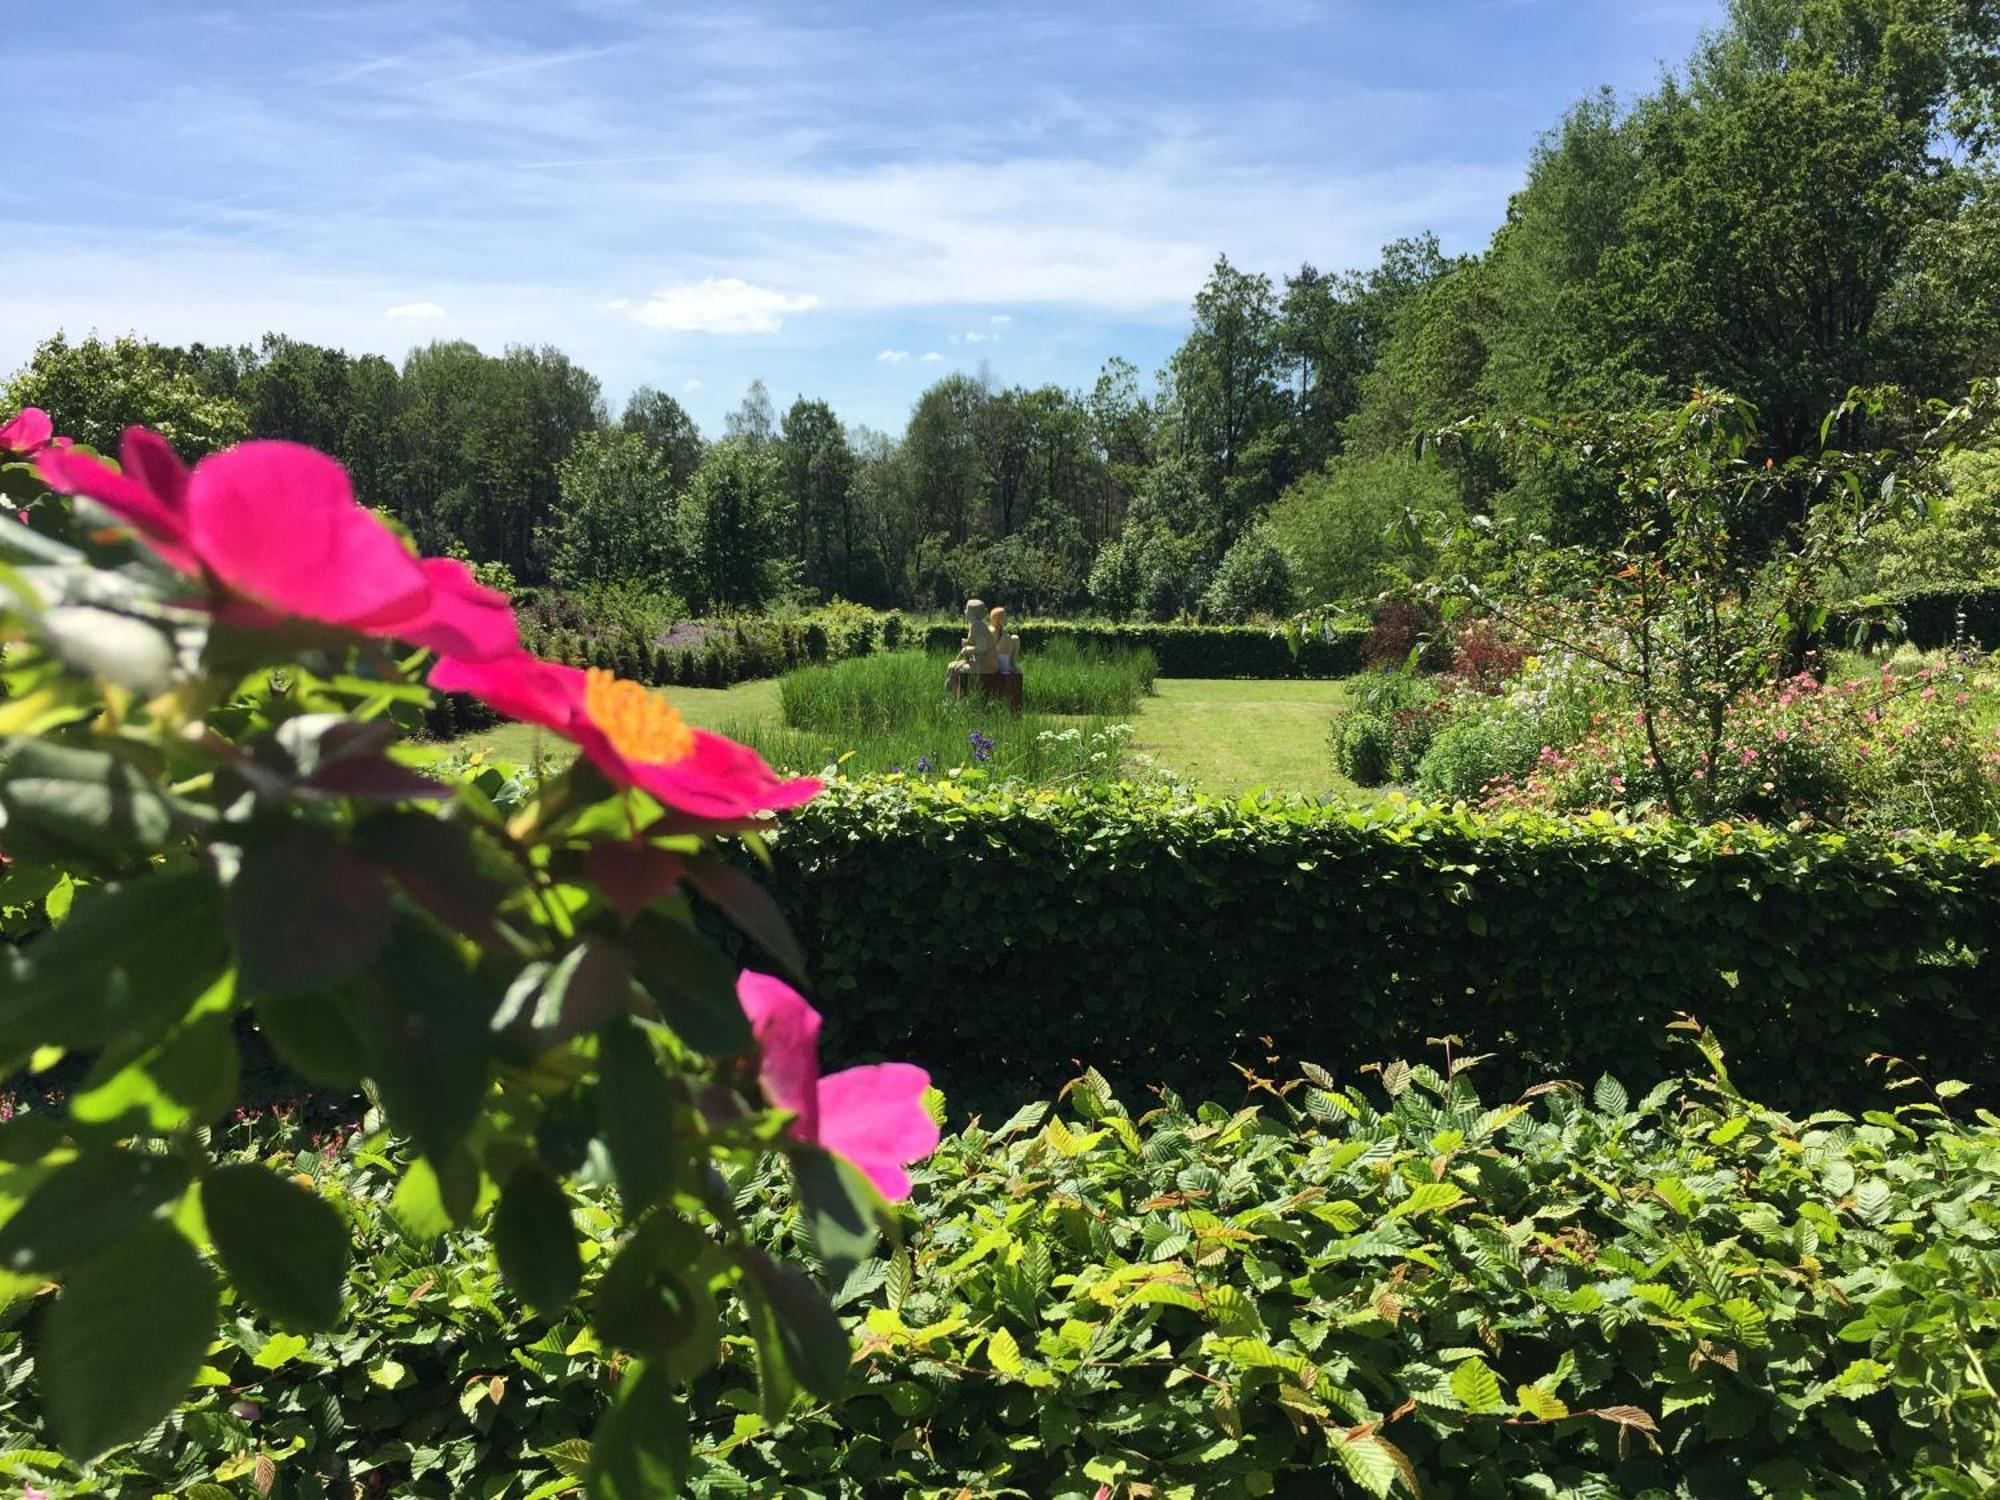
x=1888 y=751
x=205 y=816
x=1387 y=725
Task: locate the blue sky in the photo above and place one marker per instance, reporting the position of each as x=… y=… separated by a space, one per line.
x=846 y=199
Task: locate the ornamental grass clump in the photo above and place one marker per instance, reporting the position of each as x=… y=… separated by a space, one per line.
x=207 y=823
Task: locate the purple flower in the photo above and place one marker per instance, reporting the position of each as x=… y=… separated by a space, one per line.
x=923 y=762
x=982 y=747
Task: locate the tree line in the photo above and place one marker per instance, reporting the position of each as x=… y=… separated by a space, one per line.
x=1809 y=203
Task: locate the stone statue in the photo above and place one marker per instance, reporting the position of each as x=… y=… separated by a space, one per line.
x=1006 y=646
x=976 y=656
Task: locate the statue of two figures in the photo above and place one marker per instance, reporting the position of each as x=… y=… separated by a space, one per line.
x=991 y=656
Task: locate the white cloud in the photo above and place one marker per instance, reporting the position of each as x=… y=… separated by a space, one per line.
x=692 y=385
x=933 y=358
x=893 y=357
x=414 y=310
x=721 y=304
x=1000 y=320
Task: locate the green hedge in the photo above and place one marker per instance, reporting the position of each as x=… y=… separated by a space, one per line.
x=1193 y=650
x=1936 y=614
x=997 y=935
x=1309 y=1290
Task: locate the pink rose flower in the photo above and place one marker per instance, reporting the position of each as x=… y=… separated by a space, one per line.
x=29 y=431
x=630 y=734
x=874 y=1116
x=276 y=530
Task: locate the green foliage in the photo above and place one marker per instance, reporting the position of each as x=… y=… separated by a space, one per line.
x=1387 y=726
x=731 y=527
x=95 y=389
x=883 y=691
x=617 y=519
x=1409 y=1285
x=1341 y=527
x=1957 y=537
x=1351 y=934
x=1192 y=650
x=211 y=831
x=1254 y=579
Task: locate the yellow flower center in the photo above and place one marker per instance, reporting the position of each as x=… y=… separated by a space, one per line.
x=640 y=726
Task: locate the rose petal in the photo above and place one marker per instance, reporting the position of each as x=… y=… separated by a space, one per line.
x=787 y=1031
x=875 y=1117
x=278 y=523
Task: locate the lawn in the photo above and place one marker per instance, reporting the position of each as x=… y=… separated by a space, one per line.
x=1224 y=736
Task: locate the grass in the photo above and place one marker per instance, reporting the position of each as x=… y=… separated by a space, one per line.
x=1229 y=737
x=1222 y=736
x=902 y=690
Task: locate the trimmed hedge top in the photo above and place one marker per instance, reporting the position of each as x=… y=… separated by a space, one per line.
x=1163 y=935
x=1193 y=650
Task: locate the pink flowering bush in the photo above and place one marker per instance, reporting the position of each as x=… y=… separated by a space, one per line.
x=1884 y=751
x=209 y=821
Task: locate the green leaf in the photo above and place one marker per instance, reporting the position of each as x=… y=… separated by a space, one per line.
x=189 y=1077
x=1368 y=1460
x=316 y=1034
x=455 y=873
x=841 y=1209
x=636 y=1108
x=1871 y=1201
x=89 y=1205
x=425 y=1020
x=655 y=1300
x=750 y=910
x=285 y=1248
x=304 y=910
x=418 y=1203
x=640 y=1450
x=1533 y=1401
x=125 y=1340
x=1003 y=1353
x=1609 y=1096
x=1427 y=1198
x=57 y=802
x=1477 y=1387
x=279 y=1350
x=127 y=962
x=810 y=1337
x=587 y=986
x=535 y=1239
x=692 y=984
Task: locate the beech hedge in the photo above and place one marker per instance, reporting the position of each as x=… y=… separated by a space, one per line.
x=1162 y=935
x=1194 y=650
x=1932 y=615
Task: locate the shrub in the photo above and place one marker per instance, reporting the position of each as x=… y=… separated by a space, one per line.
x=1254 y=578
x=1412 y=1287
x=1351 y=934
x=1387 y=726
x=1886 y=752
x=1364 y=749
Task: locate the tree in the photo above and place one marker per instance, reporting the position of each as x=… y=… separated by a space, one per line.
x=753 y=424
x=1339 y=528
x=947 y=468
x=1161 y=563
x=1254 y=578
x=732 y=525
x=818 y=467
x=668 y=430
x=1225 y=383
x=94 y=390
x=617 y=518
